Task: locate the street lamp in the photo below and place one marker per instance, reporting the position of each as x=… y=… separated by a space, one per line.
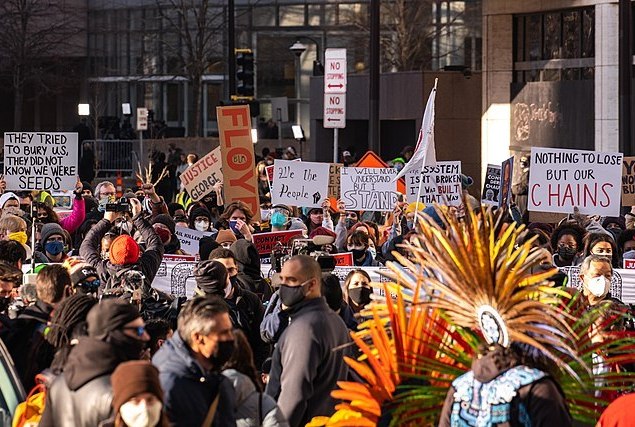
x=83 y=109
x=298 y=49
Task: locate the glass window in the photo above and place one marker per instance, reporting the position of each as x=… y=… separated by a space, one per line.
x=243 y=16
x=292 y=16
x=533 y=37
x=571 y=31
x=330 y=14
x=588 y=33
x=315 y=14
x=264 y=16
x=172 y=95
x=519 y=26
x=552 y=36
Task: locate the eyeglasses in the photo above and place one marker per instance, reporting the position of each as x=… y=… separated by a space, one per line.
x=107 y=193
x=140 y=330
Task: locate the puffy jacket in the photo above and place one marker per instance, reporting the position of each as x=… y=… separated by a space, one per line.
x=188 y=391
x=81 y=396
x=72 y=222
x=253 y=408
x=149 y=261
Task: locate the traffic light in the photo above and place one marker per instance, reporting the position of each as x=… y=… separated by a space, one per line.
x=244 y=73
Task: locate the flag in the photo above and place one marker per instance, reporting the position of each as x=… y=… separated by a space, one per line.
x=424 y=154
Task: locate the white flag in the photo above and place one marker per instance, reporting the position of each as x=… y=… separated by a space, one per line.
x=425 y=153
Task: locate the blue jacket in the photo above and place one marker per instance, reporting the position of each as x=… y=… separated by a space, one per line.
x=188 y=390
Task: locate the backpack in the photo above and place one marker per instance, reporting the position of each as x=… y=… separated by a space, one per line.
x=29 y=412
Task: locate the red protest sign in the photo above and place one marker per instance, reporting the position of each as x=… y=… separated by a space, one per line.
x=344 y=259
x=265 y=242
x=629 y=264
x=237 y=151
x=185 y=258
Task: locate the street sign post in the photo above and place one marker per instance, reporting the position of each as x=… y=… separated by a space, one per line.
x=142 y=119
x=335 y=80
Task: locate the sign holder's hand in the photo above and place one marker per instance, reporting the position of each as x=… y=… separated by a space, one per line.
x=79 y=189
x=112 y=216
x=150 y=192
x=218 y=189
x=341 y=207
x=244 y=229
x=3 y=184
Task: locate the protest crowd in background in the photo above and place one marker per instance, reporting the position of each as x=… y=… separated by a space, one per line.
x=187 y=300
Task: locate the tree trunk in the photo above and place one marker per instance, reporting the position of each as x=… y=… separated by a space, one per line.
x=195 y=124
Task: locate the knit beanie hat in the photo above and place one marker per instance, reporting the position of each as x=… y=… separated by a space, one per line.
x=205 y=246
x=133 y=378
x=325 y=236
x=211 y=277
x=124 y=250
x=165 y=220
x=49 y=230
x=108 y=316
x=4 y=198
x=225 y=236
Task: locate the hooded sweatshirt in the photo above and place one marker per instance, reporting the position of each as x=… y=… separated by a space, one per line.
x=249 y=275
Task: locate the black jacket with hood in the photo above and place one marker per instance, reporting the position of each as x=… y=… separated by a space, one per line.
x=149 y=260
x=249 y=274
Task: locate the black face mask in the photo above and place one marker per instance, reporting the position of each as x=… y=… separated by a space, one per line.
x=359 y=254
x=350 y=222
x=128 y=348
x=291 y=295
x=223 y=352
x=566 y=252
x=360 y=296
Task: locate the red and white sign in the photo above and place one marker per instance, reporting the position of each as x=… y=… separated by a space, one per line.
x=266 y=242
x=335 y=71
x=629 y=264
x=142 y=119
x=344 y=259
x=334 y=110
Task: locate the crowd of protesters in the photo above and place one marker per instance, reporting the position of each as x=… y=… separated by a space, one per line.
x=242 y=350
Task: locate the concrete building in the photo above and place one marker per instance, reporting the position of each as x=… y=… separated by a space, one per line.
x=550 y=76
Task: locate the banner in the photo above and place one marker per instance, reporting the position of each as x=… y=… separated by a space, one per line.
x=491 y=186
x=237 y=152
x=334 y=180
x=628 y=181
x=441 y=184
x=344 y=259
x=560 y=180
x=265 y=242
x=629 y=264
x=369 y=189
x=199 y=178
x=300 y=183
x=40 y=161
x=506 y=177
x=189 y=239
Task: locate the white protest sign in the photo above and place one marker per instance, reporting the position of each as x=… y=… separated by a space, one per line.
x=189 y=239
x=491 y=186
x=369 y=189
x=40 y=161
x=441 y=184
x=200 y=178
x=560 y=180
x=300 y=183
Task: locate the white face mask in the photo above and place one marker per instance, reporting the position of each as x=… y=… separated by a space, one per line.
x=141 y=414
x=125 y=227
x=598 y=286
x=201 y=225
x=629 y=254
x=228 y=289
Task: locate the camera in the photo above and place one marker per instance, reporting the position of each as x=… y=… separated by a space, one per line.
x=280 y=254
x=122 y=205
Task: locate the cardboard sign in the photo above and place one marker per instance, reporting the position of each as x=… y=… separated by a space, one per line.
x=300 y=183
x=237 y=153
x=629 y=264
x=628 y=181
x=369 y=189
x=265 y=242
x=40 y=161
x=189 y=239
x=199 y=178
x=372 y=160
x=491 y=186
x=441 y=184
x=334 y=180
x=560 y=180
x=344 y=259
x=505 y=190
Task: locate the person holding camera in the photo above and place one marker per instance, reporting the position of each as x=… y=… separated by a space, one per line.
x=124 y=253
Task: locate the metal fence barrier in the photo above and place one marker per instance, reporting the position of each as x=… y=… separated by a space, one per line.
x=113 y=156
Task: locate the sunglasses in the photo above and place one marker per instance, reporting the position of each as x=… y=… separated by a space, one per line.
x=140 y=330
x=90 y=286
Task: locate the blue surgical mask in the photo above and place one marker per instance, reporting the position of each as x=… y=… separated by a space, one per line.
x=54 y=248
x=278 y=219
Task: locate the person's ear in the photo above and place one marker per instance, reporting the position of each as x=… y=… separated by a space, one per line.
x=160 y=342
x=68 y=291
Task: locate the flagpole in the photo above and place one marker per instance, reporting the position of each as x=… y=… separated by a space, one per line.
x=416 y=220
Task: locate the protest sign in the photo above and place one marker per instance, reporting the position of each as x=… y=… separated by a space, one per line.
x=492 y=185
x=300 y=183
x=441 y=184
x=629 y=264
x=40 y=161
x=334 y=180
x=237 y=152
x=199 y=179
x=563 y=179
x=344 y=259
x=189 y=239
x=369 y=189
x=173 y=257
x=628 y=181
x=265 y=242
x=372 y=160
x=506 y=177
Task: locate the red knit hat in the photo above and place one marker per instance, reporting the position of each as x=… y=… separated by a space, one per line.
x=124 y=250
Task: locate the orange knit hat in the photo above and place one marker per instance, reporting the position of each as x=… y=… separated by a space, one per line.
x=124 y=250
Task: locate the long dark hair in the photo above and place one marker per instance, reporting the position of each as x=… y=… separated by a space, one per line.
x=242 y=359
